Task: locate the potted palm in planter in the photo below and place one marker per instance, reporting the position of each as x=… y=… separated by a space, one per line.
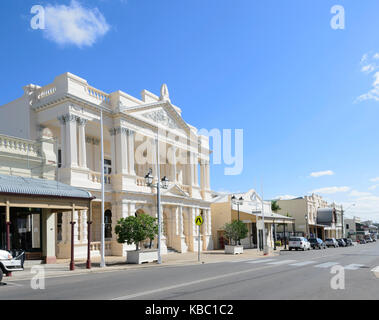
x=234 y=232
x=134 y=230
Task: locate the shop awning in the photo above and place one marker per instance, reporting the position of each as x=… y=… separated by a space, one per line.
x=15 y=185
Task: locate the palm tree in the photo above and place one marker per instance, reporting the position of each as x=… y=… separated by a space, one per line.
x=275 y=206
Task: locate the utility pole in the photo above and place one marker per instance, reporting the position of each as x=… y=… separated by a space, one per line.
x=158 y=199
x=102 y=263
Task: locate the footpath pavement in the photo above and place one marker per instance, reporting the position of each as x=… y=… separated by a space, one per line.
x=61 y=268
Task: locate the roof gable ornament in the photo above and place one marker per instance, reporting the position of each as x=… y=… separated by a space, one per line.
x=165 y=96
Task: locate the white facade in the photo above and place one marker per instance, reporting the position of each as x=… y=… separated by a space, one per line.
x=69 y=110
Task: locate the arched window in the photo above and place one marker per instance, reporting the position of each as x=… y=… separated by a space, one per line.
x=108 y=224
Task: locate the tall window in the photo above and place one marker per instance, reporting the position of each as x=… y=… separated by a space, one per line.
x=108 y=224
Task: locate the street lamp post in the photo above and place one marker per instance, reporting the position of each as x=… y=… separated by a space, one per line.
x=238 y=202
x=160 y=184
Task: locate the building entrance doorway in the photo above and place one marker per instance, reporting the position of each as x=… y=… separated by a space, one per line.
x=25 y=231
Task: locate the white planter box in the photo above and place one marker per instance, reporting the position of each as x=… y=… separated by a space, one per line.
x=233 y=249
x=138 y=257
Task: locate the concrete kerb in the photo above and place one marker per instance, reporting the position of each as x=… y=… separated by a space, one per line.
x=118 y=264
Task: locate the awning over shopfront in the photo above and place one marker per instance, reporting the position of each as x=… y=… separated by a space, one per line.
x=31 y=204
x=13 y=185
x=271 y=217
x=326 y=216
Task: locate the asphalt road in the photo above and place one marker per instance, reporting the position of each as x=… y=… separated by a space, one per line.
x=292 y=275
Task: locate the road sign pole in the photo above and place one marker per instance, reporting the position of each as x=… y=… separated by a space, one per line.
x=198 y=254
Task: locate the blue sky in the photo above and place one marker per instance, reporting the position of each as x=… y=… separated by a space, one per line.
x=275 y=69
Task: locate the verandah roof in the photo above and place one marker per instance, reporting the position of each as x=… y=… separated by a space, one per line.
x=16 y=185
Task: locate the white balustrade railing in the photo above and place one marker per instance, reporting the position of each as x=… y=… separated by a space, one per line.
x=96 y=177
x=98 y=94
x=19 y=146
x=46 y=91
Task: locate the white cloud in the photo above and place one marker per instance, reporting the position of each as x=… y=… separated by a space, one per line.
x=322 y=173
x=369 y=65
x=373 y=187
x=74 y=24
x=285 y=197
x=355 y=193
x=368 y=68
x=331 y=190
x=374 y=179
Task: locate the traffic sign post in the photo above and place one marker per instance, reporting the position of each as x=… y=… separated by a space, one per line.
x=199 y=221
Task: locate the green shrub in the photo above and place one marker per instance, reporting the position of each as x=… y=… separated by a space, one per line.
x=133 y=230
x=235 y=231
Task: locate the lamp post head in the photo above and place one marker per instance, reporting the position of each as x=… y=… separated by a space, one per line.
x=149 y=177
x=165 y=182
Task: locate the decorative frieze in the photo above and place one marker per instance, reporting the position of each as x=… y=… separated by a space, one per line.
x=118 y=130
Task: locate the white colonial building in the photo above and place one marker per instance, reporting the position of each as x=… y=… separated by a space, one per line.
x=68 y=111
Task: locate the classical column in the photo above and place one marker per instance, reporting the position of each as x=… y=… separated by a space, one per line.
x=130 y=135
x=113 y=144
x=181 y=222
x=82 y=143
x=84 y=227
x=175 y=213
x=63 y=141
x=202 y=175
x=76 y=227
x=173 y=164
x=207 y=176
x=121 y=150
x=71 y=141
x=196 y=170
x=96 y=155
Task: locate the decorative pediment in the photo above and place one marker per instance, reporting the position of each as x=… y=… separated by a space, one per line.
x=175 y=190
x=162 y=117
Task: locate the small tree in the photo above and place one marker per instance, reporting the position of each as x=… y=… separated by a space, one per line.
x=235 y=231
x=133 y=230
x=275 y=206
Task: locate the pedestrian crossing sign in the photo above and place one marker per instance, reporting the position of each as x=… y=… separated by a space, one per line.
x=199 y=220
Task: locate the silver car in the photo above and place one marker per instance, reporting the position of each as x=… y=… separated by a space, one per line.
x=331 y=242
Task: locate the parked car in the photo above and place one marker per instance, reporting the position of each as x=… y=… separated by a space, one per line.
x=317 y=243
x=362 y=241
x=373 y=237
x=299 y=243
x=331 y=242
x=368 y=238
x=348 y=242
x=341 y=243
x=8 y=263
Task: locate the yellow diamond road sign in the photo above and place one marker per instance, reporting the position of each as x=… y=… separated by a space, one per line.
x=199 y=220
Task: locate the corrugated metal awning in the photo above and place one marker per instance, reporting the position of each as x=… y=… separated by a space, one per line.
x=40 y=187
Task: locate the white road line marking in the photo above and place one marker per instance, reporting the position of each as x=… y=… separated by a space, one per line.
x=326 y=265
x=176 y=286
x=260 y=261
x=244 y=260
x=304 y=263
x=353 y=266
x=282 y=262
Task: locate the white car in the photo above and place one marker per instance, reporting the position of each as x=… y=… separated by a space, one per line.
x=299 y=243
x=9 y=264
